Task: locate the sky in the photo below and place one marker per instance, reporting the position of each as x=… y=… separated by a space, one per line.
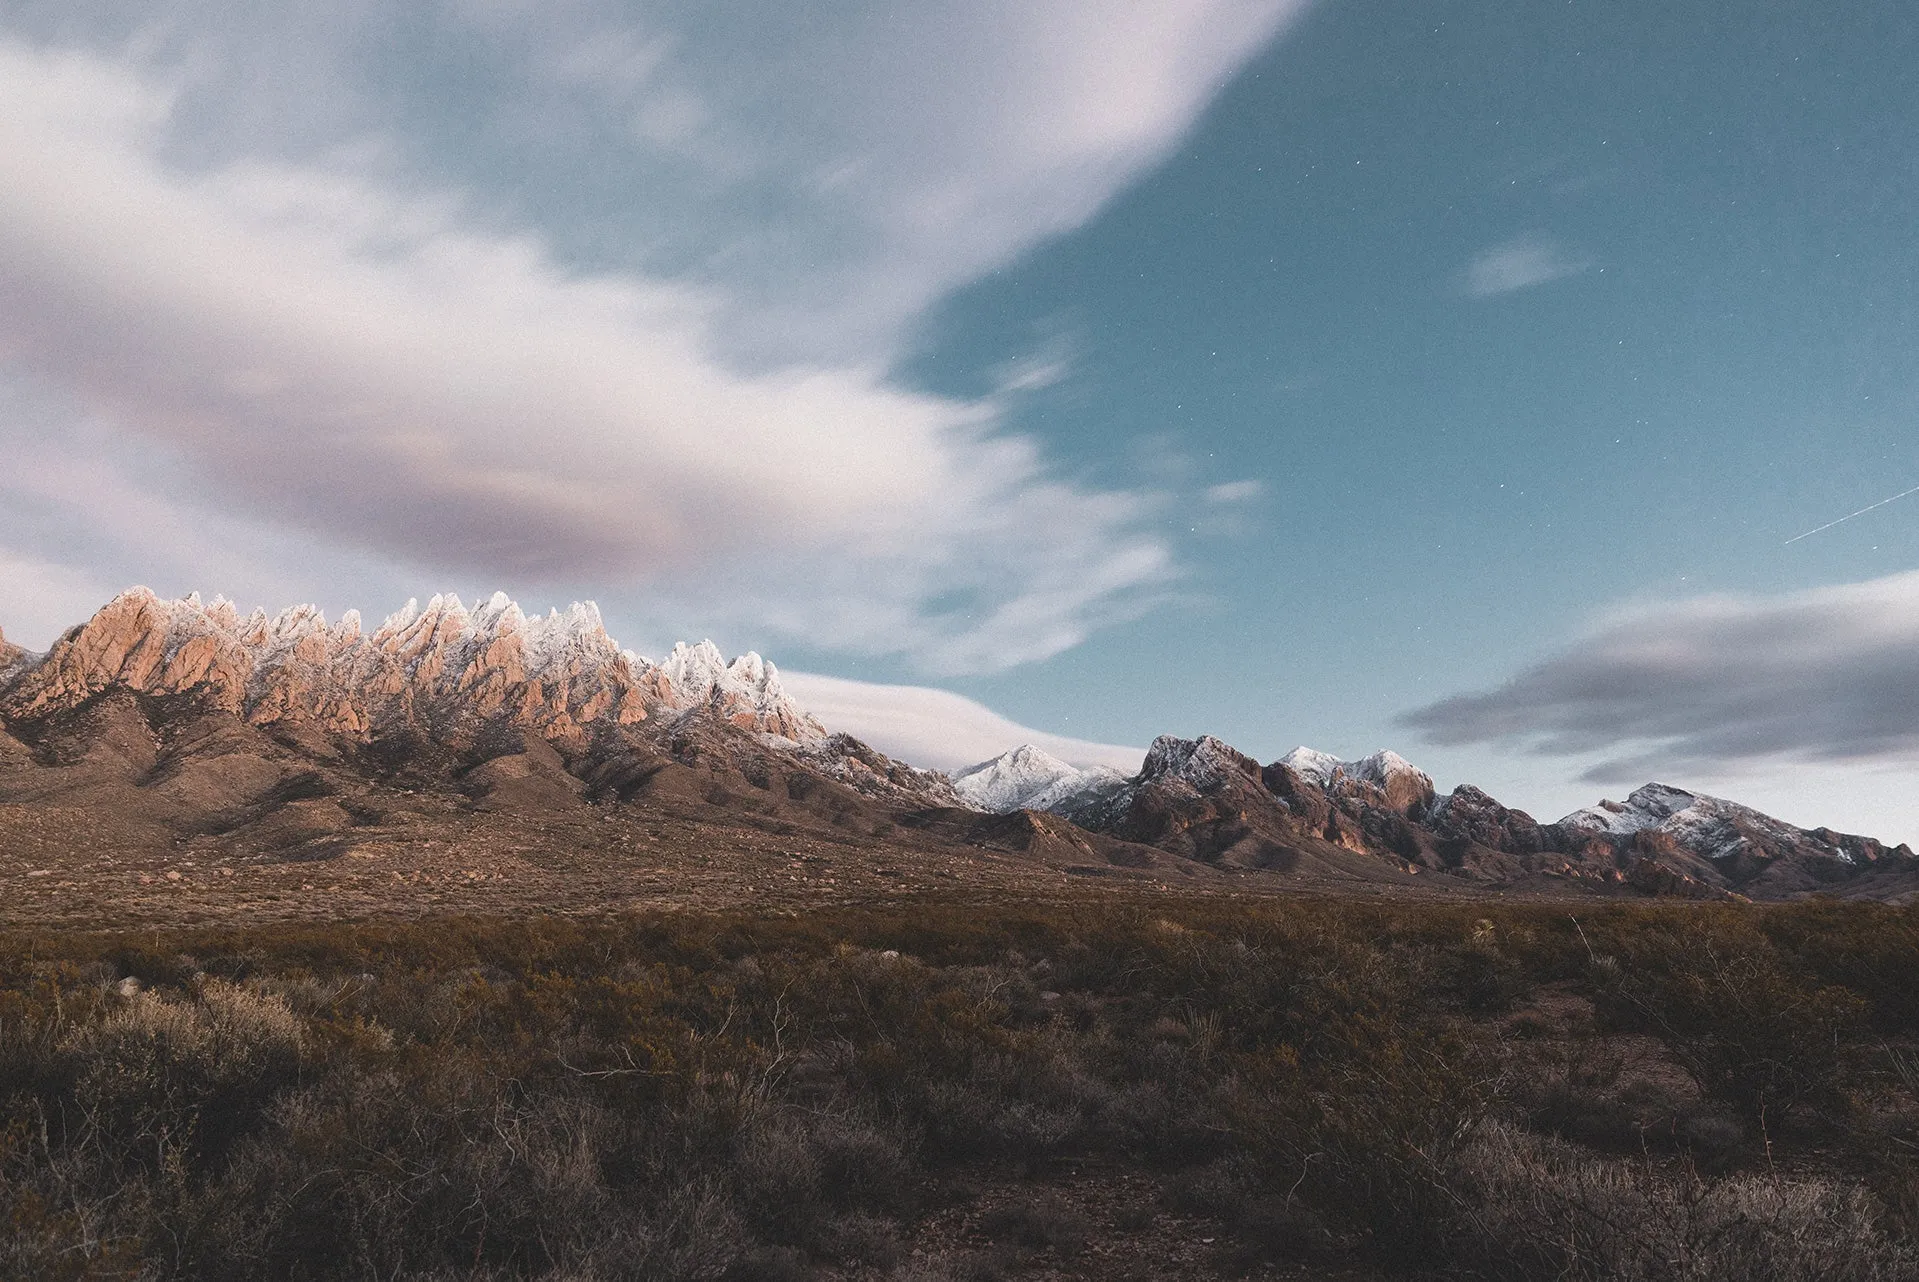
x=1467 y=379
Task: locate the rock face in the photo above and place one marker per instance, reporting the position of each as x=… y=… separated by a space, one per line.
x=442 y=669
x=183 y=718
x=1202 y=799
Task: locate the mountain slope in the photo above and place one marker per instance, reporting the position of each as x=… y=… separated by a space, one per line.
x=1204 y=800
x=182 y=718
x=161 y=725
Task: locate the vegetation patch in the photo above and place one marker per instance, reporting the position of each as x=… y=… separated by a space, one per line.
x=1638 y=1091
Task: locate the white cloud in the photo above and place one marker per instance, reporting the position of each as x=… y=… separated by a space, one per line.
x=221 y=249
x=320 y=350
x=904 y=146
x=937 y=729
x=1519 y=264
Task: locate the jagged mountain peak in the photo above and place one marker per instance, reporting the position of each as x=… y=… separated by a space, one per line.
x=746 y=692
x=438 y=664
x=1645 y=807
x=1312 y=764
x=1200 y=762
x=1403 y=784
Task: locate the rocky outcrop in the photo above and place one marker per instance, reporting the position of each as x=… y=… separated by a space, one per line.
x=846 y=760
x=442 y=669
x=1197 y=798
x=185 y=719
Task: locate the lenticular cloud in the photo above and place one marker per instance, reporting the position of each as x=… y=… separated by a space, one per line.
x=1830 y=674
x=314 y=348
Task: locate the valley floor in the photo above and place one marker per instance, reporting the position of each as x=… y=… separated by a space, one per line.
x=440 y=854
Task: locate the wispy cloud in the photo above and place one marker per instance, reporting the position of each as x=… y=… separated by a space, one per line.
x=937 y=729
x=666 y=385
x=1715 y=684
x=1228 y=492
x=1520 y=264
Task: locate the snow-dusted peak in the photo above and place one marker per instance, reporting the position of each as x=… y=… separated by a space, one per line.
x=1007 y=781
x=1386 y=768
x=1030 y=778
x=1380 y=769
x=693 y=670
x=1647 y=807
x=497 y=614
x=1201 y=762
x=293 y=623
x=1311 y=764
x=746 y=692
x=1712 y=826
x=751 y=672
x=559 y=637
x=400 y=620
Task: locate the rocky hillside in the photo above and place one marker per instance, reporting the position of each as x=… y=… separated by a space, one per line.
x=443 y=668
x=159 y=724
x=170 y=720
x=1202 y=799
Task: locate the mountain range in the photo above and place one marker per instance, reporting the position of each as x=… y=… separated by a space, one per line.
x=160 y=724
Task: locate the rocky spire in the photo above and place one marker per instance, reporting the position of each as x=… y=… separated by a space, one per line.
x=436 y=667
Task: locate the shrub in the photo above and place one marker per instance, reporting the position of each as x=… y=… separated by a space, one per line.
x=1531 y=1207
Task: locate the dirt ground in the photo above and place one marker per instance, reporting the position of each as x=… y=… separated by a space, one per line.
x=68 y=866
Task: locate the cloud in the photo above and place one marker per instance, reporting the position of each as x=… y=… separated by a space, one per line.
x=899 y=147
x=937 y=729
x=1717 y=684
x=313 y=334
x=1235 y=491
x=1519 y=264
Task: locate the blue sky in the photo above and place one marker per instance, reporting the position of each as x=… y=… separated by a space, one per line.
x=1293 y=374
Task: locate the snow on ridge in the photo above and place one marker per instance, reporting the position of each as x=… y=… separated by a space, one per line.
x=1310 y=763
x=446 y=631
x=1711 y=826
x=1326 y=770
x=1028 y=778
x=1647 y=807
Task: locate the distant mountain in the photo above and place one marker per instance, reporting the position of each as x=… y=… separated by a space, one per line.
x=1029 y=778
x=1202 y=799
x=291 y=737
x=177 y=718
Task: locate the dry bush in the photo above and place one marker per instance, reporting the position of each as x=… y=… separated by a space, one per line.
x=702 y=1098
x=1531 y=1207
